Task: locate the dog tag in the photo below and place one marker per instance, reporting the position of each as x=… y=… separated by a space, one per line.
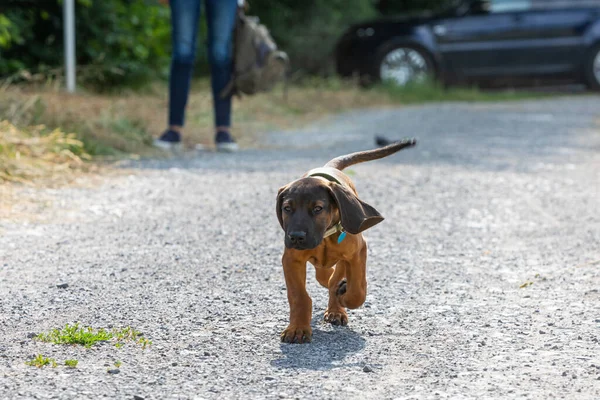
x=341 y=237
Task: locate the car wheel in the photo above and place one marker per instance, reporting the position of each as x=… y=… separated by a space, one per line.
x=403 y=64
x=592 y=68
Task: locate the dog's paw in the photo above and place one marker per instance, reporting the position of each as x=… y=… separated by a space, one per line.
x=296 y=334
x=336 y=317
x=341 y=289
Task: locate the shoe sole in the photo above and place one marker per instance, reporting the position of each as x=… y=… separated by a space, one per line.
x=168 y=146
x=227 y=147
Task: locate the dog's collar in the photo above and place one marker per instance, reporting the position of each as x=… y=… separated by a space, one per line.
x=333 y=230
x=321 y=174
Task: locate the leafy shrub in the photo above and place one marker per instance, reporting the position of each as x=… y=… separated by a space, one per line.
x=118 y=41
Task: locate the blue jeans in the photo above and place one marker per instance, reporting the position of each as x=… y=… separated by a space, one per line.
x=220 y=18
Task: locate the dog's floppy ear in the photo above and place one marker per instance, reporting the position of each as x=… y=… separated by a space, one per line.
x=280 y=194
x=356 y=215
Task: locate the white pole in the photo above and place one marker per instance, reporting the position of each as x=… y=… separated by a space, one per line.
x=69 y=39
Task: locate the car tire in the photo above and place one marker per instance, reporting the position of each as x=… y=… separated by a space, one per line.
x=592 y=68
x=402 y=63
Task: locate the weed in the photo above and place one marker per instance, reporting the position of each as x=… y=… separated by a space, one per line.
x=88 y=336
x=71 y=363
x=74 y=334
x=118 y=364
x=144 y=342
x=127 y=333
x=41 y=361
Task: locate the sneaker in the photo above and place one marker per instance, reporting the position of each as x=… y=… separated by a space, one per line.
x=169 y=140
x=225 y=142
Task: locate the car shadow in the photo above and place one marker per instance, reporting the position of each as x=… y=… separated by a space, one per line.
x=329 y=347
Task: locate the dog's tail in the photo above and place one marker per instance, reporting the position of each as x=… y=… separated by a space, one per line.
x=342 y=162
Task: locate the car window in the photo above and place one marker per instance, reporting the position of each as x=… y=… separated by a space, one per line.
x=499 y=6
x=548 y=4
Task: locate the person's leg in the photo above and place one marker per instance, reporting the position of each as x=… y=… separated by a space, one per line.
x=184 y=25
x=184 y=21
x=220 y=17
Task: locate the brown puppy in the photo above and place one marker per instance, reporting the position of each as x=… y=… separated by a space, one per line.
x=323 y=218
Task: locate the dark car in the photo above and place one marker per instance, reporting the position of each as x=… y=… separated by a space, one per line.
x=479 y=40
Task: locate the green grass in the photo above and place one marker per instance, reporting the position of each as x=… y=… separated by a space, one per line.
x=71 y=363
x=41 y=361
x=144 y=342
x=88 y=336
x=430 y=91
x=74 y=334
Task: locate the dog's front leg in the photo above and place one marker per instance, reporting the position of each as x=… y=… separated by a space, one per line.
x=299 y=330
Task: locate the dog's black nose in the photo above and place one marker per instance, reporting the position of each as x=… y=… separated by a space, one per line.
x=297 y=237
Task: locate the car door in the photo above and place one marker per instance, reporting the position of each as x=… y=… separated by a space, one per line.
x=553 y=36
x=485 y=40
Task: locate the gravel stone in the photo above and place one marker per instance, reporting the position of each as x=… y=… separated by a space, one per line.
x=491 y=196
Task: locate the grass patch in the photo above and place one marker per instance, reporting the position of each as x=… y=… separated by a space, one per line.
x=87 y=336
x=74 y=334
x=41 y=361
x=431 y=91
x=71 y=363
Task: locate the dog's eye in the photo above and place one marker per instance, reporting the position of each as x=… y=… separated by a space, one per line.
x=287 y=209
x=317 y=209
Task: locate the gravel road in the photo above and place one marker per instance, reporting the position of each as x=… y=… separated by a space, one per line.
x=484 y=279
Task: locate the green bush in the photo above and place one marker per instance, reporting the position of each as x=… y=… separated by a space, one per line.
x=118 y=41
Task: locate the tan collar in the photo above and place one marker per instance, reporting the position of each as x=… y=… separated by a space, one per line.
x=333 y=230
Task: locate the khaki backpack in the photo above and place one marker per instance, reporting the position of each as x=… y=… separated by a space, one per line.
x=257 y=63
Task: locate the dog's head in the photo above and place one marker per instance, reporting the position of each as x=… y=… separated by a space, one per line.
x=306 y=208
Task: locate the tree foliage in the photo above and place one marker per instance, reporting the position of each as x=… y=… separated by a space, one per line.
x=118 y=41
x=128 y=41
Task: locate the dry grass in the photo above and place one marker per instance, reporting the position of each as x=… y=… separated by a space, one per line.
x=32 y=153
x=127 y=121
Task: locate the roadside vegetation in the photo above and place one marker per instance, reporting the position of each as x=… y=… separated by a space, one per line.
x=47 y=134
x=87 y=336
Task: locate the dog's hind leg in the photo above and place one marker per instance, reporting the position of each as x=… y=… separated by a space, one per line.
x=336 y=313
x=353 y=292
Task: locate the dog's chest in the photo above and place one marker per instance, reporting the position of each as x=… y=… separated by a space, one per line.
x=326 y=256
